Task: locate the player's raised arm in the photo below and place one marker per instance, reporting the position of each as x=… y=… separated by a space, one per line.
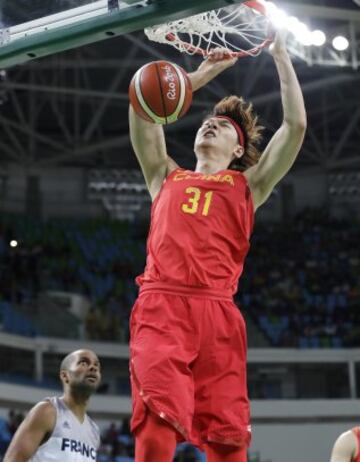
x=284 y=146
x=345 y=448
x=33 y=431
x=148 y=142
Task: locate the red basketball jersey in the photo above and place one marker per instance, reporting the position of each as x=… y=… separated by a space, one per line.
x=356 y=431
x=200 y=230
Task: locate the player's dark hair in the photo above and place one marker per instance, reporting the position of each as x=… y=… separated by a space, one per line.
x=242 y=112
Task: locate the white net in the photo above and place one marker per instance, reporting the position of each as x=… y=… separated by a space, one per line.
x=242 y=30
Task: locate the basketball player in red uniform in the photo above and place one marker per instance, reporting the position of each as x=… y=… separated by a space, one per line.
x=347 y=447
x=188 y=339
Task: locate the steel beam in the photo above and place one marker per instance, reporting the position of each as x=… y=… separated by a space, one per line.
x=103 y=27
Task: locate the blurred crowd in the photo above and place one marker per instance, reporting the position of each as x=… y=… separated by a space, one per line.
x=98 y=259
x=8 y=427
x=300 y=284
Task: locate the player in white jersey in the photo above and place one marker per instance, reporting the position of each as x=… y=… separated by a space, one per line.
x=58 y=429
x=347 y=447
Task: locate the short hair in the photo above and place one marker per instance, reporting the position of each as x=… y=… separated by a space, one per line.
x=66 y=362
x=243 y=114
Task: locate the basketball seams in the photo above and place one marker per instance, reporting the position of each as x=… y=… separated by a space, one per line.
x=143 y=103
x=161 y=91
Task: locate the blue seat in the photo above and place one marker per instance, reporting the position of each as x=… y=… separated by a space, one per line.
x=336 y=342
x=5 y=435
x=103 y=458
x=314 y=342
x=303 y=342
x=263 y=321
x=125 y=439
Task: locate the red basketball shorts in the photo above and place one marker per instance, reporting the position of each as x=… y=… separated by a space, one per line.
x=188 y=365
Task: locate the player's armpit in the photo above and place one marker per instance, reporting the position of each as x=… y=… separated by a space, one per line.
x=33 y=431
x=345 y=448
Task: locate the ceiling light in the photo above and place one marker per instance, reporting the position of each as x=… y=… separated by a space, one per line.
x=318 y=38
x=340 y=43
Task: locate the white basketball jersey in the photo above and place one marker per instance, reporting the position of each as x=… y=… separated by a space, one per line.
x=71 y=440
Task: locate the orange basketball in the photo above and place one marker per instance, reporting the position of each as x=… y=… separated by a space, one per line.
x=160 y=92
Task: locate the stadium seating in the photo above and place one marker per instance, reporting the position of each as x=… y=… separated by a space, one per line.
x=14 y=322
x=300 y=284
x=5 y=435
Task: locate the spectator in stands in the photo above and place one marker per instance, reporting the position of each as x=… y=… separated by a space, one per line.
x=12 y=422
x=91 y=324
x=125 y=427
x=111 y=435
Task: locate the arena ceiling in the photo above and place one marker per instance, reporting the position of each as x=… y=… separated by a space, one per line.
x=71 y=109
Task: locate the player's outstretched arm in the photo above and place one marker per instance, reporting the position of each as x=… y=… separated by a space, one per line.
x=345 y=448
x=33 y=431
x=284 y=146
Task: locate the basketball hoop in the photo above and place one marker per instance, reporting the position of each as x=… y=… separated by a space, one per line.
x=242 y=30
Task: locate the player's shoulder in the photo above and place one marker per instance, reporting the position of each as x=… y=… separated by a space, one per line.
x=240 y=178
x=345 y=447
x=239 y=174
x=171 y=166
x=42 y=414
x=350 y=434
x=45 y=407
x=348 y=439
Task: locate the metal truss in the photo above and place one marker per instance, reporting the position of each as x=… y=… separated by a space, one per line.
x=337 y=21
x=89 y=23
x=71 y=109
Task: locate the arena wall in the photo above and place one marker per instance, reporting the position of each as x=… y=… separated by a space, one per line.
x=63 y=193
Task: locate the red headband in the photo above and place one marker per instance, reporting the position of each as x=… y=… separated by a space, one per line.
x=239 y=132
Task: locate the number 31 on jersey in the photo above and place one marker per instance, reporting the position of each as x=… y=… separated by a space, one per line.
x=197 y=198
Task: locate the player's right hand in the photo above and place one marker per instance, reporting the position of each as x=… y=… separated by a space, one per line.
x=278 y=46
x=217 y=61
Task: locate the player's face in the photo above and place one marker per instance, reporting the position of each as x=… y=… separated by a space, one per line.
x=217 y=133
x=85 y=371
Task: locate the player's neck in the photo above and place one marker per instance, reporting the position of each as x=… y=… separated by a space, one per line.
x=77 y=405
x=210 y=166
x=211 y=160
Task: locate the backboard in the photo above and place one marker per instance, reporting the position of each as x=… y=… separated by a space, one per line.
x=36 y=28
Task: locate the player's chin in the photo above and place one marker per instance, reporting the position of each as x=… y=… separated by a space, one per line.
x=95 y=384
x=89 y=386
x=203 y=143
